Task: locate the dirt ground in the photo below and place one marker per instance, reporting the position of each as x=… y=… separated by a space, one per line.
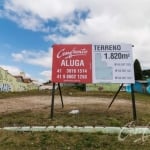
x=39 y=102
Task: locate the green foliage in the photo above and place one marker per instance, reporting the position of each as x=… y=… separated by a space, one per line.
x=146 y=74
x=63 y=141
x=24 y=93
x=137 y=70
x=81 y=87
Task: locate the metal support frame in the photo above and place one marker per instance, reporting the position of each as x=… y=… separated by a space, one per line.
x=115 y=95
x=132 y=97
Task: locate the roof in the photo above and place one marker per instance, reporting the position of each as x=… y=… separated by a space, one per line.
x=27 y=80
x=24 y=80
x=19 y=77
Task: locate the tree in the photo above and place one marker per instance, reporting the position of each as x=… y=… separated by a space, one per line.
x=137 y=70
x=146 y=73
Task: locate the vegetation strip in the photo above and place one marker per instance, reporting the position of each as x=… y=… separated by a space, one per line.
x=88 y=129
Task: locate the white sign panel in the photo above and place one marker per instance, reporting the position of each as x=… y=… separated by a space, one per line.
x=112 y=63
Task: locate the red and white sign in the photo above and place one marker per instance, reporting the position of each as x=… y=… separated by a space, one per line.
x=72 y=63
x=97 y=63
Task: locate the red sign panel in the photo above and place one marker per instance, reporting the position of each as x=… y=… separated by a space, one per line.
x=72 y=63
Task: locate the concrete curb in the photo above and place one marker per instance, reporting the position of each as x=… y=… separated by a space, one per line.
x=85 y=129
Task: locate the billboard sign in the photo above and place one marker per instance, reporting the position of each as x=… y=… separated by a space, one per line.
x=97 y=63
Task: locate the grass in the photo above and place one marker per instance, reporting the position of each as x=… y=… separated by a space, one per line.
x=89 y=115
x=73 y=91
x=68 y=141
x=24 y=93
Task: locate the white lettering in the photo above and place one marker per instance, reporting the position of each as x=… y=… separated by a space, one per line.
x=67 y=63
x=70 y=54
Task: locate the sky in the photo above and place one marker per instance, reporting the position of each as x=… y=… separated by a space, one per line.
x=29 y=28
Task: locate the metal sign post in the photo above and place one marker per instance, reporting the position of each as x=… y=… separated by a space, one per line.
x=115 y=95
x=133 y=103
x=60 y=95
x=52 y=101
x=53 y=97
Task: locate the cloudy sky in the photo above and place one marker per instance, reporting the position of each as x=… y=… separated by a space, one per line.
x=29 y=28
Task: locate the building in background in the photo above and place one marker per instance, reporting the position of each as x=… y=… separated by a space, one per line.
x=10 y=83
x=140 y=86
